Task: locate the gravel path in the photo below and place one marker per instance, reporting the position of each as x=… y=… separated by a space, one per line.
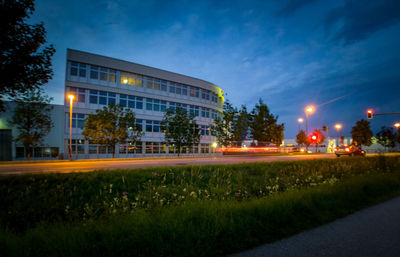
x=374 y=232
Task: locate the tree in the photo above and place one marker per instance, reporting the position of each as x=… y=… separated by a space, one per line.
x=362 y=133
x=223 y=126
x=240 y=125
x=180 y=129
x=263 y=125
x=24 y=63
x=32 y=119
x=112 y=125
x=302 y=139
x=386 y=137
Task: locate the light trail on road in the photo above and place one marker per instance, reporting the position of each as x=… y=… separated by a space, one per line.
x=107 y=164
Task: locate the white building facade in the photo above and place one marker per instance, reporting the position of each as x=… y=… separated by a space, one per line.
x=98 y=81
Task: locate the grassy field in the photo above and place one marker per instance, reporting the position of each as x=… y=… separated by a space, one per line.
x=184 y=211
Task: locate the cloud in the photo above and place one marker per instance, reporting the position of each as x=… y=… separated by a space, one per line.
x=291 y=6
x=356 y=20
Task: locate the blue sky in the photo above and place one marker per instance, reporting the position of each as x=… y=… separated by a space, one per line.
x=341 y=56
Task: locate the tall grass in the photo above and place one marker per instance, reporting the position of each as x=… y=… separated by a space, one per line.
x=204 y=227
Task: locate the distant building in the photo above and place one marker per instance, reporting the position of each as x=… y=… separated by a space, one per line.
x=98 y=81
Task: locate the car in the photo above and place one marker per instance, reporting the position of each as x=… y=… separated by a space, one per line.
x=349 y=150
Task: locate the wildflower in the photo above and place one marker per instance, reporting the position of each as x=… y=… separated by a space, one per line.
x=124 y=193
x=155 y=174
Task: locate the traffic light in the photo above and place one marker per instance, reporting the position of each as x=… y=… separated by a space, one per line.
x=325 y=128
x=370 y=114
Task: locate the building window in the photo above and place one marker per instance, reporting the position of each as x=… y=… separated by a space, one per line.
x=78 y=69
x=79 y=93
x=111 y=75
x=194 y=92
x=205 y=112
x=205 y=130
x=164 y=85
x=205 y=94
x=194 y=110
x=102 y=97
x=78 y=119
x=153 y=147
x=156 y=105
x=78 y=146
x=92 y=147
x=152 y=126
x=94 y=72
x=205 y=148
x=74 y=69
x=131 y=79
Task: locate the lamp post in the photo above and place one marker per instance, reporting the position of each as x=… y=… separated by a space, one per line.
x=300 y=120
x=338 y=127
x=397 y=125
x=71 y=99
x=309 y=109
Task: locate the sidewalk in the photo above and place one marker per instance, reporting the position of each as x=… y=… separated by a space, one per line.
x=374 y=231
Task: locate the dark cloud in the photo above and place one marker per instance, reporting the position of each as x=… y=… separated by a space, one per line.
x=358 y=19
x=291 y=6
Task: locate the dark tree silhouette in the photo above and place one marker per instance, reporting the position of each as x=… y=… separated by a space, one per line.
x=25 y=64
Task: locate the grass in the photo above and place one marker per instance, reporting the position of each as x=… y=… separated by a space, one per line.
x=217 y=209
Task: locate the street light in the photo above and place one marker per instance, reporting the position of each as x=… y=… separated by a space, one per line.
x=300 y=120
x=309 y=109
x=338 y=127
x=71 y=99
x=397 y=124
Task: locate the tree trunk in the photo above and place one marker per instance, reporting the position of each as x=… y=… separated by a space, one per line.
x=28 y=152
x=113 y=151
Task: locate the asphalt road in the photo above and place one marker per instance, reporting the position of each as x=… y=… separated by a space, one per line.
x=106 y=164
x=371 y=232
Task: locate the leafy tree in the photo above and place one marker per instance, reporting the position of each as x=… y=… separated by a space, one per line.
x=24 y=63
x=223 y=126
x=112 y=125
x=302 y=139
x=240 y=125
x=32 y=119
x=180 y=129
x=263 y=125
x=386 y=137
x=362 y=133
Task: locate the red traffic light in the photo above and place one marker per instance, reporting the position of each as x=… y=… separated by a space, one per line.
x=314 y=137
x=370 y=114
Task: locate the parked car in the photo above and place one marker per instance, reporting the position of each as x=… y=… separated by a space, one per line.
x=351 y=150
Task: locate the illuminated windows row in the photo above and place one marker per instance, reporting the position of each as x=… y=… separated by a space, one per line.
x=139 y=103
x=132 y=79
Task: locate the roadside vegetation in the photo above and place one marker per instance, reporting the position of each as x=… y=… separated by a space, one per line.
x=184 y=211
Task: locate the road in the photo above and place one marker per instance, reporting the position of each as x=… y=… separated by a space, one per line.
x=371 y=232
x=107 y=164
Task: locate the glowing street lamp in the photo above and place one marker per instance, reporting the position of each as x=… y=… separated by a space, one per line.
x=71 y=99
x=397 y=125
x=338 y=127
x=309 y=109
x=300 y=120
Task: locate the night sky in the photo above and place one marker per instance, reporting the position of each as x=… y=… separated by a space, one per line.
x=341 y=56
